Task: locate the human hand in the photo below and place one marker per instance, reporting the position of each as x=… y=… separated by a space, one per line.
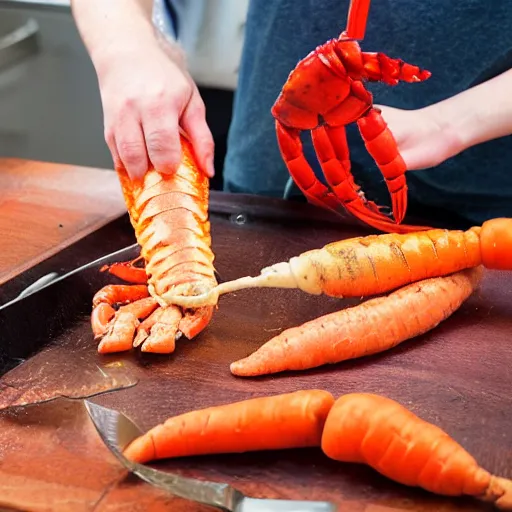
x=423 y=139
x=147 y=95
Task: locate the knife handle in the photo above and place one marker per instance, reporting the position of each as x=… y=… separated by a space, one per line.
x=265 y=505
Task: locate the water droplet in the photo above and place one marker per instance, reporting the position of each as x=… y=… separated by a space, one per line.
x=239 y=218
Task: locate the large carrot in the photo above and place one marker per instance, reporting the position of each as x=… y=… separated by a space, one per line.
x=379 y=432
x=374 y=326
x=375 y=264
x=291 y=420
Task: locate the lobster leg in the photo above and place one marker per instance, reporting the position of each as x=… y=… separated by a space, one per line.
x=104 y=300
x=158 y=333
x=333 y=153
x=119 y=293
x=101 y=316
x=193 y=323
x=121 y=330
x=127 y=271
x=300 y=170
x=381 y=145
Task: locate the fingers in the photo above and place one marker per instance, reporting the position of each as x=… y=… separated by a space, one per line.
x=128 y=148
x=194 y=123
x=144 y=132
x=142 y=123
x=160 y=119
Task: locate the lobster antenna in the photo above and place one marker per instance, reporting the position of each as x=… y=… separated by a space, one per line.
x=356 y=20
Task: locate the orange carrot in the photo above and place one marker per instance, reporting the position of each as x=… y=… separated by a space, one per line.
x=290 y=420
x=368 y=328
x=379 y=432
x=496 y=243
x=375 y=264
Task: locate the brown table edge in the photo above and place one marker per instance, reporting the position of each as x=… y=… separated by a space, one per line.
x=82 y=233
x=13 y=160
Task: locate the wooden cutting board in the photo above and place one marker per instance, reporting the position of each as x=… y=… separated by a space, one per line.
x=457 y=377
x=46 y=207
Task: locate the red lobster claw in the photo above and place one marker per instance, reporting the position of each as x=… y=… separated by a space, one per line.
x=324 y=93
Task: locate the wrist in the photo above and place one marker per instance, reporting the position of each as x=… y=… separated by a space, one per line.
x=114 y=29
x=454 y=126
x=120 y=47
x=123 y=51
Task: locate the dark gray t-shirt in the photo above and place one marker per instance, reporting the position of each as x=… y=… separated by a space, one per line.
x=461 y=42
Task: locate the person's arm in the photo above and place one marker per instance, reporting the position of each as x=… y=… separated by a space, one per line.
x=107 y=27
x=428 y=136
x=479 y=114
x=146 y=91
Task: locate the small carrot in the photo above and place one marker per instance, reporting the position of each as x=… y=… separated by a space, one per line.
x=379 y=432
x=368 y=328
x=291 y=420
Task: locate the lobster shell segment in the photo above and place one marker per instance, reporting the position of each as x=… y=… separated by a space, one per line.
x=169 y=213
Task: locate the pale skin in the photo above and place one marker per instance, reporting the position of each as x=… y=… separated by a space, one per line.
x=427 y=137
x=146 y=91
x=148 y=95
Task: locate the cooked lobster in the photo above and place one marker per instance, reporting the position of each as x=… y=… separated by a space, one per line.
x=324 y=93
x=169 y=214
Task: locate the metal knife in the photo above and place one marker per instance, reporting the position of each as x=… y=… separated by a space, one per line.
x=117 y=431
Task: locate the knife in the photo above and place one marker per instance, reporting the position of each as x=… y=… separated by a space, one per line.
x=117 y=431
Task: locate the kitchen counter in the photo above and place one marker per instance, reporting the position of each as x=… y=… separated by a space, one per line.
x=46 y=207
x=51 y=457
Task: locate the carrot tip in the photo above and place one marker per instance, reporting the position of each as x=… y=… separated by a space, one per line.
x=499 y=492
x=238 y=368
x=141 y=450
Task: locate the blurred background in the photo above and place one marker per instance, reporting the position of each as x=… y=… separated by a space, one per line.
x=50 y=107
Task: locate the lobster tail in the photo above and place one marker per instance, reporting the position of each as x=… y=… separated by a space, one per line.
x=169 y=214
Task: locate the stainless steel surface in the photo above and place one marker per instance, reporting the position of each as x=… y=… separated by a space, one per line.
x=37 y=285
x=49 y=5
x=18 y=43
x=50 y=106
x=53 y=277
x=117 y=431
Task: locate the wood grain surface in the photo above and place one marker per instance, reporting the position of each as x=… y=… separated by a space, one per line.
x=458 y=376
x=45 y=207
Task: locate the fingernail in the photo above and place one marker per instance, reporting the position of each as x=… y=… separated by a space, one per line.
x=168 y=168
x=136 y=178
x=210 y=168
